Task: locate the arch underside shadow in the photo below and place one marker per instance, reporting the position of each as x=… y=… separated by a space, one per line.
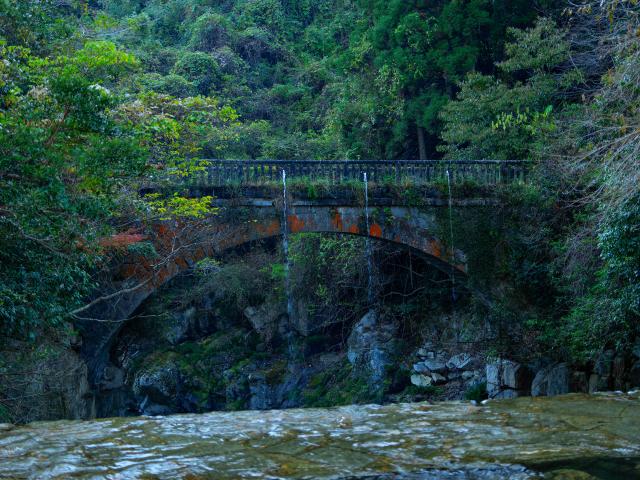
x=438 y=263
x=138 y=279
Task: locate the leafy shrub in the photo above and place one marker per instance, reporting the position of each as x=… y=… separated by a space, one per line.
x=477 y=392
x=174 y=85
x=199 y=68
x=209 y=32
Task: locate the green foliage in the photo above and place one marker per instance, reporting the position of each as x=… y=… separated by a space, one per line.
x=338 y=386
x=331 y=79
x=41 y=25
x=477 y=392
x=172 y=85
x=82 y=121
x=56 y=197
x=537 y=50
x=201 y=69
x=209 y=32
x=240 y=285
x=609 y=315
x=333 y=265
x=176 y=131
x=498 y=119
x=73 y=142
x=103 y=61
x=178 y=206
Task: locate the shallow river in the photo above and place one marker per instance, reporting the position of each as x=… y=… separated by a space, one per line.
x=572 y=437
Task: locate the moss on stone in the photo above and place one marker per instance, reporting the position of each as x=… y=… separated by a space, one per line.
x=276 y=373
x=333 y=387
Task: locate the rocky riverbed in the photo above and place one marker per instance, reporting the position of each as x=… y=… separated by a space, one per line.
x=564 y=437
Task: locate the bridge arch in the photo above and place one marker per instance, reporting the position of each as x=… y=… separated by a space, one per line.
x=410 y=227
x=137 y=280
x=252 y=216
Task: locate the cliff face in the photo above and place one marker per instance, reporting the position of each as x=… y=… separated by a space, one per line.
x=45 y=382
x=226 y=342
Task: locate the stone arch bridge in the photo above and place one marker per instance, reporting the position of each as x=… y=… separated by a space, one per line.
x=408 y=204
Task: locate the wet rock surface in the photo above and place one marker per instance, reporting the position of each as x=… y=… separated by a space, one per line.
x=574 y=436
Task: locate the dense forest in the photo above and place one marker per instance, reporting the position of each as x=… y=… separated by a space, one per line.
x=97 y=95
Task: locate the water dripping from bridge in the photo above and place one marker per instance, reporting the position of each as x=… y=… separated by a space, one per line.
x=368 y=251
x=285 y=247
x=453 y=277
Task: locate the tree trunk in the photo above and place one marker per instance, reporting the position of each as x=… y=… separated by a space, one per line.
x=422 y=145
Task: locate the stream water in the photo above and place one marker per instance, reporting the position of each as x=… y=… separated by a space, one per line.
x=571 y=437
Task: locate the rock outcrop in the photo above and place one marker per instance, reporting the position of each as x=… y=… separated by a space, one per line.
x=456 y=373
x=371 y=347
x=552 y=380
x=507 y=379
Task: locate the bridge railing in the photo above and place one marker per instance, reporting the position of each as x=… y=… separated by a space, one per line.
x=484 y=172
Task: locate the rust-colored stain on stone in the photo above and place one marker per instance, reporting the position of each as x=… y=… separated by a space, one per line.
x=375 y=230
x=270 y=230
x=336 y=222
x=436 y=250
x=296 y=224
x=162 y=276
x=354 y=229
x=182 y=263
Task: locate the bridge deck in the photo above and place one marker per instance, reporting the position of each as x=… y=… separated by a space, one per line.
x=483 y=172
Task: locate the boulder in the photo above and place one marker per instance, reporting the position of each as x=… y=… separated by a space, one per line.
x=178 y=329
x=438 y=379
x=604 y=363
x=158 y=384
x=550 y=381
x=467 y=375
x=506 y=394
x=372 y=347
x=261 y=394
x=618 y=372
x=189 y=324
x=426 y=353
x=147 y=407
x=578 y=382
x=421 y=380
x=420 y=368
x=435 y=365
x=507 y=379
x=598 y=383
x=112 y=378
x=634 y=375
x=459 y=362
x=264 y=321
